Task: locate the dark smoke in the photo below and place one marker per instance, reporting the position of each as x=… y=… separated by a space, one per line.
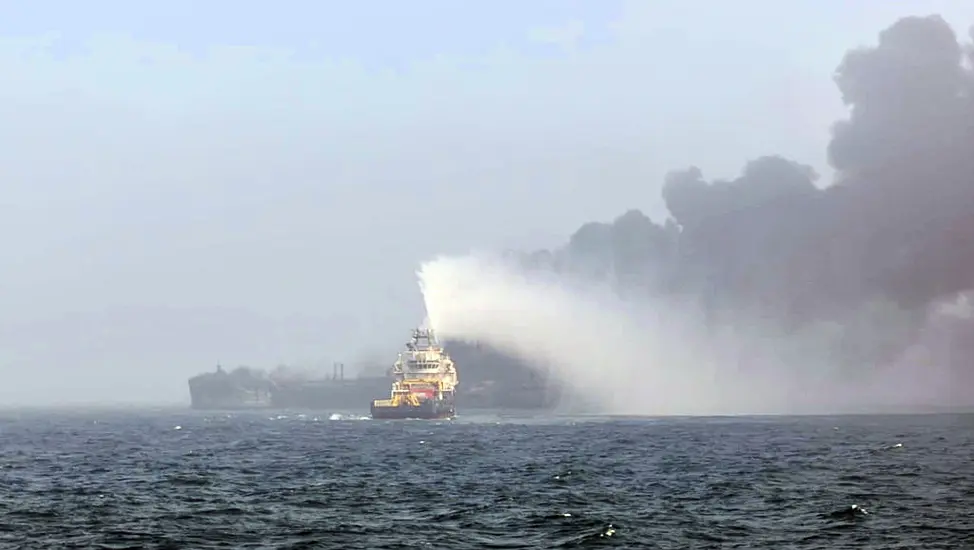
x=895 y=227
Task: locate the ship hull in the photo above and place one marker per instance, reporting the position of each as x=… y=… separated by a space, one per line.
x=221 y=394
x=430 y=409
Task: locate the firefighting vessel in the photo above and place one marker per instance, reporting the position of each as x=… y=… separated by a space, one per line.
x=424 y=382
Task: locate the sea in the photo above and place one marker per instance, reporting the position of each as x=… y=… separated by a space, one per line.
x=144 y=478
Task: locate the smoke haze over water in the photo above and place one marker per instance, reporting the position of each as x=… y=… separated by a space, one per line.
x=767 y=293
x=172 y=201
x=654 y=356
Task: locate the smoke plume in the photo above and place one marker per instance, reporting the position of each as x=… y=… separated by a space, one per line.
x=767 y=292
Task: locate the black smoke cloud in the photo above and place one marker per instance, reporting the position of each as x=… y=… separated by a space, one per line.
x=896 y=226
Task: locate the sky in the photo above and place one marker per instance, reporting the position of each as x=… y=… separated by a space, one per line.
x=193 y=183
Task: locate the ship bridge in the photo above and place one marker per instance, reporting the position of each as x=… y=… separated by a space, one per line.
x=424 y=360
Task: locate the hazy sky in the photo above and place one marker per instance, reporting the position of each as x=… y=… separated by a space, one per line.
x=192 y=182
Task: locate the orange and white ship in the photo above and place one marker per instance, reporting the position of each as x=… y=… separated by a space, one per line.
x=424 y=382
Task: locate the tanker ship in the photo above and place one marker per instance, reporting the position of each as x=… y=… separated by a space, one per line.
x=424 y=382
x=284 y=388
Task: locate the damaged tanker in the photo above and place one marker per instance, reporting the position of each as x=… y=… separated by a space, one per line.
x=282 y=388
x=492 y=381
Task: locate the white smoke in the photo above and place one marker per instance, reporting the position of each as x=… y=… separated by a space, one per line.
x=961 y=307
x=642 y=358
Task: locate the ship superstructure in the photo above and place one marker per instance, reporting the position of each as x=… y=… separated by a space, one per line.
x=424 y=381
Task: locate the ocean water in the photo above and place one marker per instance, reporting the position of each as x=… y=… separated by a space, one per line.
x=177 y=479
